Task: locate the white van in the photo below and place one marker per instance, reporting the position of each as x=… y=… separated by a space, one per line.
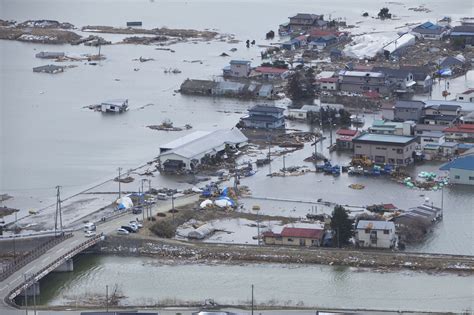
x=89 y=227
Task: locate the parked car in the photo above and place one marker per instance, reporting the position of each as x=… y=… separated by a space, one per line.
x=128 y=229
x=89 y=233
x=122 y=232
x=162 y=196
x=137 y=210
x=138 y=224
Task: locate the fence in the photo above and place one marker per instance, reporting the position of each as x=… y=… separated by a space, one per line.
x=18 y=263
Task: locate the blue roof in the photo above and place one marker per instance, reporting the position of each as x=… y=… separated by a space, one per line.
x=463 y=163
x=430 y=26
x=465 y=146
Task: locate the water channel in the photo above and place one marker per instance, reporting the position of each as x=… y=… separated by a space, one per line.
x=149 y=281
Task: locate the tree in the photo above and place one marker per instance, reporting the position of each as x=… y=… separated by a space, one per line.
x=300 y=87
x=341 y=226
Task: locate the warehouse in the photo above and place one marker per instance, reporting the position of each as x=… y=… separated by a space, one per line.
x=186 y=153
x=392 y=149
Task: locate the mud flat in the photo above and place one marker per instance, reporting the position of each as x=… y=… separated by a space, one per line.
x=205 y=252
x=182 y=33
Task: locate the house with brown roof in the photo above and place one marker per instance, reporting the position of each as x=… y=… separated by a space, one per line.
x=295 y=237
x=466 y=96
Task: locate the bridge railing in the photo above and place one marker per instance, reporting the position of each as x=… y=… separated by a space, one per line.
x=20 y=262
x=50 y=267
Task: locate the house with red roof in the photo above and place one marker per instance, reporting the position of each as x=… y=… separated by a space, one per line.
x=295 y=237
x=459 y=132
x=344 y=138
x=270 y=73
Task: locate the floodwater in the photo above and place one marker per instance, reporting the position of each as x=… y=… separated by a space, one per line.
x=150 y=281
x=49 y=139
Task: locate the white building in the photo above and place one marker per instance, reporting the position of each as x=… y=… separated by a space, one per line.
x=466 y=96
x=378 y=234
x=240 y=68
x=186 y=153
x=461 y=170
x=302 y=113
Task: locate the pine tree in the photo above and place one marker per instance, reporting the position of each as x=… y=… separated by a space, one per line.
x=341 y=226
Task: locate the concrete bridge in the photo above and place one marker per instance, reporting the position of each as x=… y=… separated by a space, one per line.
x=57 y=253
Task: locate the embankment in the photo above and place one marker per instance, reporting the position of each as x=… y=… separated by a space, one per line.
x=205 y=252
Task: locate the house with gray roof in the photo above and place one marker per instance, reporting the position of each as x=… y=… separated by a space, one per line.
x=381 y=149
x=421 y=76
x=264 y=117
x=408 y=110
x=465 y=33
x=401 y=79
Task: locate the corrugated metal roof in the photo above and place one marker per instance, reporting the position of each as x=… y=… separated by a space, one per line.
x=301 y=232
x=370 y=137
x=208 y=143
x=462 y=163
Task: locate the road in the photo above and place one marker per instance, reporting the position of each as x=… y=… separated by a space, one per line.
x=108 y=227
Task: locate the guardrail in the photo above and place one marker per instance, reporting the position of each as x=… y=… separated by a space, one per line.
x=19 y=263
x=50 y=267
x=30 y=235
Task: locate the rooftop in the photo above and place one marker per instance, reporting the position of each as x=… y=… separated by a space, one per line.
x=207 y=141
x=270 y=70
x=376 y=138
x=267 y=109
x=375 y=225
x=462 y=29
x=396 y=73
x=464 y=163
x=346 y=132
x=301 y=232
x=464 y=128
x=409 y=104
x=239 y=62
x=470 y=91
x=361 y=74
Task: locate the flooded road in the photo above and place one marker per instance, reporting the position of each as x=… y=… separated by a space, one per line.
x=148 y=281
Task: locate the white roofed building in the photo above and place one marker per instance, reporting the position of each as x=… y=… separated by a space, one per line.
x=186 y=153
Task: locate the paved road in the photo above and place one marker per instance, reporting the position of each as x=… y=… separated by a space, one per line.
x=78 y=237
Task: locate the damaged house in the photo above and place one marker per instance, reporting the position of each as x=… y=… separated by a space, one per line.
x=186 y=153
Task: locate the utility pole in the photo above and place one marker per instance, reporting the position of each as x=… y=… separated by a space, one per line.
x=330 y=130
x=107 y=298
x=120 y=189
x=58 y=212
x=172 y=206
x=14 y=238
x=26 y=295
x=252 y=299
x=284 y=168
x=269 y=156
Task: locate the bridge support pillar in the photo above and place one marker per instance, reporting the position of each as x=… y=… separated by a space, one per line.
x=32 y=290
x=65 y=267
